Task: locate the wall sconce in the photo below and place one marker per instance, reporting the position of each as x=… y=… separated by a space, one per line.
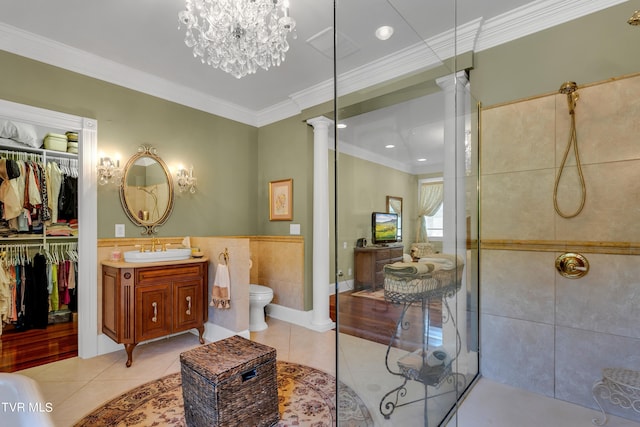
x=109 y=171
x=186 y=180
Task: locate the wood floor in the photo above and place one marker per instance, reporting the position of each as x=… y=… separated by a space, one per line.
x=34 y=347
x=376 y=321
x=366 y=318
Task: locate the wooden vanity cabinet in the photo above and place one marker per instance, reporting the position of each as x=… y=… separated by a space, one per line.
x=151 y=301
x=152 y=311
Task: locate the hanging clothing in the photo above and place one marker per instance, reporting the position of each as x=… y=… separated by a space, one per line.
x=55 y=180
x=14 y=294
x=48 y=192
x=68 y=198
x=53 y=292
x=63 y=284
x=34 y=195
x=45 y=211
x=9 y=170
x=36 y=298
x=5 y=297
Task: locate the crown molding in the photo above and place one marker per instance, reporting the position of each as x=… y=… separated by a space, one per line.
x=417 y=57
x=277 y=112
x=534 y=17
x=465 y=36
x=476 y=35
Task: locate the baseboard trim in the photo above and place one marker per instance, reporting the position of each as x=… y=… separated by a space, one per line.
x=344 y=286
x=297 y=317
x=213 y=332
x=107 y=345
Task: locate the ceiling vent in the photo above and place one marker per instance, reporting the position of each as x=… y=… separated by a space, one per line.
x=323 y=43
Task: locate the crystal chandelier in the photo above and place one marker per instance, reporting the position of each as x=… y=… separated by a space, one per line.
x=238 y=36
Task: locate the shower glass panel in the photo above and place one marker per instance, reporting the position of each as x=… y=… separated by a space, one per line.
x=405 y=131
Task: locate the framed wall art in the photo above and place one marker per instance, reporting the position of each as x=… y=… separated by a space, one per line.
x=281 y=200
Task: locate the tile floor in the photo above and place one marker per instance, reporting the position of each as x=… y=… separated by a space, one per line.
x=76 y=386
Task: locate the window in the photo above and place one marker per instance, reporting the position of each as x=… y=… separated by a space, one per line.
x=430 y=202
x=434 y=224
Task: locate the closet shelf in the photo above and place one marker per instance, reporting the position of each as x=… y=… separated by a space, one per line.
x=48 y=153
x=36 y=237
x=22 y=238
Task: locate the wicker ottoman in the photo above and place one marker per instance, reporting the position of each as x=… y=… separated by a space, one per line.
x=230 y=383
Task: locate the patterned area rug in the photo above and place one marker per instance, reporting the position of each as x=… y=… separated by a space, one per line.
x=377 y=295
x=306 y=397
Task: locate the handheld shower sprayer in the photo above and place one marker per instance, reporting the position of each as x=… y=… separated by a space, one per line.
x=570 y=89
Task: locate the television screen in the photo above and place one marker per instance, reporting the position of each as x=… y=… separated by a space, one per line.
x=384 y=227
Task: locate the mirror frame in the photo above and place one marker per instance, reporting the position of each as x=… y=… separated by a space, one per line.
x=148 y=227
x=397 y=200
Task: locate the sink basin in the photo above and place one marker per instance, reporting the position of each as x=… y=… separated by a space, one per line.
x=176 y=254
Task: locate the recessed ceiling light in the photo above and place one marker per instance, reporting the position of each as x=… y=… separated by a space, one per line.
x=384 y=32
x=341 y=125
x=422 y=159
x=389 y=146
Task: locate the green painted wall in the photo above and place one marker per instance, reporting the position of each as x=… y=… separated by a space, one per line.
x=590 y=49
x=232 y=161
x=235 y=162
x=285 y=150
x=363 y=188
x=223 y=152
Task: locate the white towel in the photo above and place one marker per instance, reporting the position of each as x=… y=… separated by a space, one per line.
x=221 y=293
x=439 y=356
x=442 y=261
x=442 y=355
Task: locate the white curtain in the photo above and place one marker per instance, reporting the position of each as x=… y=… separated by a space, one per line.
x=430 y=200
x=395 y=205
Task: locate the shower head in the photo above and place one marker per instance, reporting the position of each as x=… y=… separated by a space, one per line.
x=570 y=89
x=635 y=18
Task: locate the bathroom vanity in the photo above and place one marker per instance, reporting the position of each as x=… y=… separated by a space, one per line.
x=142 y=301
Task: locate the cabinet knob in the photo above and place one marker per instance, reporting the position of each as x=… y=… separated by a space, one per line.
x=189 y=306
x=155 y=312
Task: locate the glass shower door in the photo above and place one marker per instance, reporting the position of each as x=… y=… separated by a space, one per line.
x=406 y=286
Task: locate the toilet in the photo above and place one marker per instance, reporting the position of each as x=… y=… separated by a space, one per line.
x=259 y=297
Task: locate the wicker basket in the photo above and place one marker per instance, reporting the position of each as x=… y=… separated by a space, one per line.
x=230 y=383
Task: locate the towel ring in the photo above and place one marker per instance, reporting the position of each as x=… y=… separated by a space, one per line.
x=225 y=256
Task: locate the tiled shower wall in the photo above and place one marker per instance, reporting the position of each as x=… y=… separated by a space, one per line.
x=540 y=331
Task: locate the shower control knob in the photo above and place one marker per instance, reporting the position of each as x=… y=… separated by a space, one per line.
x=572 y=265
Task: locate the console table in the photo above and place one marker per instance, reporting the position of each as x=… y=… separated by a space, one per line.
x=368 y=264
x=621 y=387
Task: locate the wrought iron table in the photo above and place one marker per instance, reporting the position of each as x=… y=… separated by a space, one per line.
x=418 y=289
x=621 y=387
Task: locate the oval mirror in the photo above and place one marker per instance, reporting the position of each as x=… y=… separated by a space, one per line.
x=146 y=192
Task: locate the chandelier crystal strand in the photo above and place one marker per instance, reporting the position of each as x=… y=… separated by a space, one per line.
x=238 y=36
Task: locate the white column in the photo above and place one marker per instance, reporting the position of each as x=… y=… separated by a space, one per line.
x=454 y=213
x=321 y=321
x=454 y=217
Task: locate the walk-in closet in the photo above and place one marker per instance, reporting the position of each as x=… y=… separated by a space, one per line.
x=39 y=229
